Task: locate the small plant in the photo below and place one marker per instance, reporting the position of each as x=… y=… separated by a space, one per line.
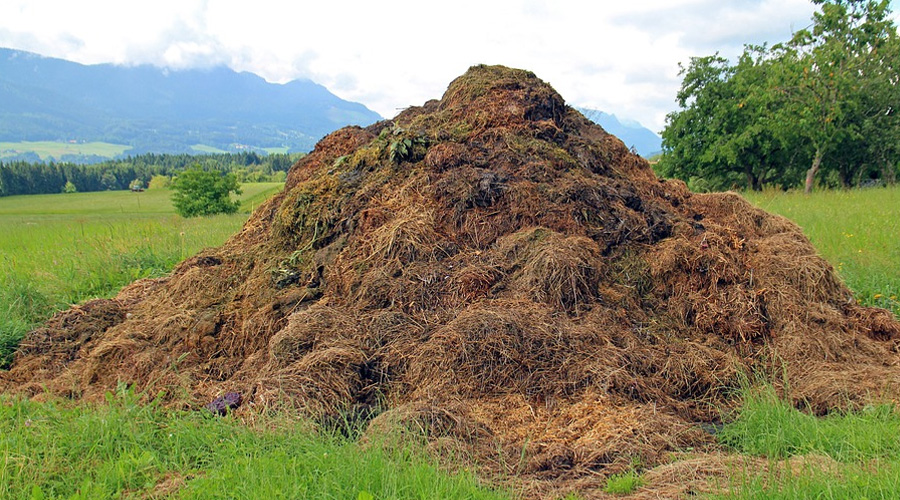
x=624 y=483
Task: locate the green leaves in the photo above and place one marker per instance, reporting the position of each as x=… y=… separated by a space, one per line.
x=203 y=192
x=823 y=101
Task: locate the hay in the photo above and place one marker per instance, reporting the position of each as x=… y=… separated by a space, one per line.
x=500 y=273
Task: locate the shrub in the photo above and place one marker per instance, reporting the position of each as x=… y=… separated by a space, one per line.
x=203 y=192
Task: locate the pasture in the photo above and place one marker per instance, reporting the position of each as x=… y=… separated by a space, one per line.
x=60 y=249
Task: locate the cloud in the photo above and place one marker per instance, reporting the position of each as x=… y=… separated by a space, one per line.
x=619 y=57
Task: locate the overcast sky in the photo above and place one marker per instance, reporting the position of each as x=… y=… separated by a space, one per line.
x=620 y=57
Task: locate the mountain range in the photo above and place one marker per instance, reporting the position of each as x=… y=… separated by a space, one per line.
x=646 y=142
x=157 y=110
x=147 y=109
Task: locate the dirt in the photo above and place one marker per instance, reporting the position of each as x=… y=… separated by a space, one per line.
x=498 y=272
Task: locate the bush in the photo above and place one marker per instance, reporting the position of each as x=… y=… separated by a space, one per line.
x=159 y=182
x=202 y=192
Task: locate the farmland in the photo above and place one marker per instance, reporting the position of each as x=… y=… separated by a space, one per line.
x=50 y=150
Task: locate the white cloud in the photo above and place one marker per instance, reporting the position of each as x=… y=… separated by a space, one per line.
x=620 y=57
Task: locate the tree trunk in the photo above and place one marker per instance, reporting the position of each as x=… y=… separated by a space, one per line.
x=813 y=170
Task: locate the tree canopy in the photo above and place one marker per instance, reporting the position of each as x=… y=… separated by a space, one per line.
x=819 y=108
x=197 y=192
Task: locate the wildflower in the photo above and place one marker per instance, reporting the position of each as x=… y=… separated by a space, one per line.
x=877 y=296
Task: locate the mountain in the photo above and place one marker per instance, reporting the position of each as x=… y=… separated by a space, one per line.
x=633 y=134
x=154 y=109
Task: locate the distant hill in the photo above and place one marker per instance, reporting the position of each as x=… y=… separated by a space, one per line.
x=633 y=134
x=156 y=110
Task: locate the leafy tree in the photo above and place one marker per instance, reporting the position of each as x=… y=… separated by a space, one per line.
x=830 y=68
x=70 y=187
x=158 y=182
x=204 y=192
x=825 y=101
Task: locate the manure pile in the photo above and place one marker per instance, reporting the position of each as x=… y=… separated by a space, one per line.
x=496 y=270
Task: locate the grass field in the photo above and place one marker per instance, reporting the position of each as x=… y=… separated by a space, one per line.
x=857 y=231
x=58 y=249
x=49 y=149
x=125 y=450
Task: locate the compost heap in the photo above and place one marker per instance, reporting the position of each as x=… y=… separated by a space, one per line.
x=494 y=270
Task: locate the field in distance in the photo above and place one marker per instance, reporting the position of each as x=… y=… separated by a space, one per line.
x=50 y=150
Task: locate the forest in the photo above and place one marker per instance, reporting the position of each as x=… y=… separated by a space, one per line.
x=19 y=177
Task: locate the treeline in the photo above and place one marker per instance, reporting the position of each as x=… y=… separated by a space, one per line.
x=19 y=177
x=818 y=110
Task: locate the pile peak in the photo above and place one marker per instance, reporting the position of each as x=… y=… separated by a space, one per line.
x=499 y=271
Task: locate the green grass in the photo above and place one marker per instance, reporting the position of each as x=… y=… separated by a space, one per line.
x=624 y=483
x=126 y=450
x=48 y=149
x=61 y=249
x=862 y=445
x=857 y=231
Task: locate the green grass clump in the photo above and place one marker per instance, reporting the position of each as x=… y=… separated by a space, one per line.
x=769 y=426
x=855 y=230
x=862 y=444
x=624 y=483
x=127 y=450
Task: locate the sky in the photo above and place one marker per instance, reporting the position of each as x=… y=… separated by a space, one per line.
x=619 y=57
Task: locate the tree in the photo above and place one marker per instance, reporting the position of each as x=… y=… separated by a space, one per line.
x=203 y=192
x=70 y=187
x=830 y=69
x=724 y=136
x=825 y=101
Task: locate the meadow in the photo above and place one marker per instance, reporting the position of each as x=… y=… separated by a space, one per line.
x=857 y=231
x=60 y=249
x=48 y=150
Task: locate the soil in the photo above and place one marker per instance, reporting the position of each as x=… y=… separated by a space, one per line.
x=496 y=271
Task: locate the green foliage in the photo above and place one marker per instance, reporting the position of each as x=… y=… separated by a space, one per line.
x=128 y=450
x=21 y=177
x=70 y=187
x=159 y=182
x=197 y=192
x=823 y=101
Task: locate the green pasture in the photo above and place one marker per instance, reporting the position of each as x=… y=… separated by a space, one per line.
x=54 y=150
x=857 y=231
x=121 y=450
x=203 y=148
x=60 y=249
